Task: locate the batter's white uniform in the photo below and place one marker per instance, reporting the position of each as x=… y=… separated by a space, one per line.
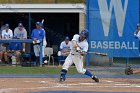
x=75 y=57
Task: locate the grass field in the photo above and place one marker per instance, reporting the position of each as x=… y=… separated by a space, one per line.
x=33 y=70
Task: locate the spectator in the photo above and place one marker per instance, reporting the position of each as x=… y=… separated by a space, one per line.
x=7 y=33
x=14 y=49
x=37 y=36
x=21 y=33
x=64 y=50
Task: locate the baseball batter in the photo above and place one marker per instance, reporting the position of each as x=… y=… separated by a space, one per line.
x=78 y=47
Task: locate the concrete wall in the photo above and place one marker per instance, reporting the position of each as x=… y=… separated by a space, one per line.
x=82 y=21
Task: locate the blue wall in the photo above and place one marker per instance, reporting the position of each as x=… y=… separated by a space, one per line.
x=111 y=25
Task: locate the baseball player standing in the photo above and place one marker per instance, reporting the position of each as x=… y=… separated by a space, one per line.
x=37 y=36
x=78 y=48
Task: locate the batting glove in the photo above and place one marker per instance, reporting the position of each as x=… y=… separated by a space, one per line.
x=78 y=49
x=23 y=49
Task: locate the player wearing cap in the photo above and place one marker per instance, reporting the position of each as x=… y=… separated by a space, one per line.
x=21 y=33
x=64 y=49
x=7 y=33
x=78 y=48
x=37 y=36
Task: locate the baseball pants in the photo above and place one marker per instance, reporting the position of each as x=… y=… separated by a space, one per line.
x=77 y=60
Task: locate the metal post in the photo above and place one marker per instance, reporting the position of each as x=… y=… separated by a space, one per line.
x=127 y=61
x=110 y=61
x=41 y=53
x=29 y=24
x=87 y=27
x=139 y=11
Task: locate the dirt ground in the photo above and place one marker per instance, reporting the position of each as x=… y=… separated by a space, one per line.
x=28 y=85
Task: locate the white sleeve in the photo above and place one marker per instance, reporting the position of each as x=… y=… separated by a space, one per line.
x=11 y=34
x=61 y=45
x=85 y=47
x=2 y=34
x=69 y=43
x=75 y=37
x=25 y=34
x=16 y=32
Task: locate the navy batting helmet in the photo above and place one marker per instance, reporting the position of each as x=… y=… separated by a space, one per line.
x=84 y=33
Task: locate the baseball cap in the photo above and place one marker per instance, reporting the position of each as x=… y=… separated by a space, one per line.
x=38 y=23
x=66 y=38
x=20 y=24
x=41 y=24
x=6 y=25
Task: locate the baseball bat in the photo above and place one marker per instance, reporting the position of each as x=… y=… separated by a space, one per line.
x=42 y=21
x=98 y=53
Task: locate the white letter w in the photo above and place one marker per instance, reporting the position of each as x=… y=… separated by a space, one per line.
x=105 y=13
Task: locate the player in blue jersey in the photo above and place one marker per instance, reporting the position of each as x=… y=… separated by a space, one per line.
x=37 y=36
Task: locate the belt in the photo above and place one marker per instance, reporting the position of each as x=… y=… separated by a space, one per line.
x=37 y=44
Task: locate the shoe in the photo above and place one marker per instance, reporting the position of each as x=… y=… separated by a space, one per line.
x=95 y=79
x=128 y=70
x=62 y=79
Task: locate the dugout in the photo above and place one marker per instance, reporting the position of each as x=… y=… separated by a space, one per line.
x=60 y=19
